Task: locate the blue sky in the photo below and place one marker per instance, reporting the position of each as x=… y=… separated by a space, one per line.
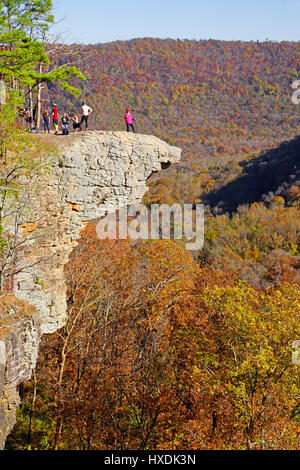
x=92 y=21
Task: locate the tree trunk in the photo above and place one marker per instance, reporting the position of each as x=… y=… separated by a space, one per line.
x=31 y=108
x=32 y=410
x=59 y=423
x=39 y=102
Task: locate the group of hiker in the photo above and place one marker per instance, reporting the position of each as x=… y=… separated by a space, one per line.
x=74 y=120
x=65 y=120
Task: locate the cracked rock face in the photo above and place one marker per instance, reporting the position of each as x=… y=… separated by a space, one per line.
x=20 y=334
x=94 y=172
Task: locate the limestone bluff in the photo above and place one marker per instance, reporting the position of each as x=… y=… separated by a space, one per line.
x=94 y=171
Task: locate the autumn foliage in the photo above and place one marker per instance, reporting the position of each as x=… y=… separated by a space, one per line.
x=159 y=353
x=164 y=349
x=223 y=102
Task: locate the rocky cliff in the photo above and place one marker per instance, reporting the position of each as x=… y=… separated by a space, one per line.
x=93 y=172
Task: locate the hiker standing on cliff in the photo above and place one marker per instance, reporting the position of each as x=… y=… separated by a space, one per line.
x=86 y=111
x=65 y=124
x=46 y=119
x=76 y=123
x=129 y=120
x=55 y=118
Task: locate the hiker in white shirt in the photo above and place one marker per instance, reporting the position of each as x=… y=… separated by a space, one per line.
x=86 y=111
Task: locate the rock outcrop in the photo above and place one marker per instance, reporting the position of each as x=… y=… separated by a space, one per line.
x=20 y=334
x=93 y=172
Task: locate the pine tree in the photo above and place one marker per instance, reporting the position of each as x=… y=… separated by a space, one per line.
x=24 y=63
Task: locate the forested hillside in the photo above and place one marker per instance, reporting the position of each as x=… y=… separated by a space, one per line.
x=228 y=105
x=222 y=102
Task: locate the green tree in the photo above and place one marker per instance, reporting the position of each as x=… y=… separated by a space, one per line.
x=23 y=162
x=243 y=372
x=24 y=25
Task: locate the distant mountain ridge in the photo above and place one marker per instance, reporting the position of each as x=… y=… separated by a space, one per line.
x=220 y=101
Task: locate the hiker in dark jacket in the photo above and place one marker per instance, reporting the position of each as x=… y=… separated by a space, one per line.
x=65 y=124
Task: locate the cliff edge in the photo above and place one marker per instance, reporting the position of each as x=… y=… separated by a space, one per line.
x=93 y=172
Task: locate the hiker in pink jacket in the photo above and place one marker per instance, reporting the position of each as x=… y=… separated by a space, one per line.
x=129 y=120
